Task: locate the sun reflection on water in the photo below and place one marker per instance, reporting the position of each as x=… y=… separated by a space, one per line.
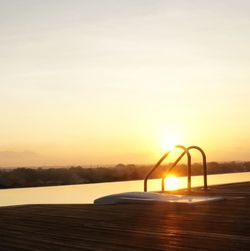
x=171 y=183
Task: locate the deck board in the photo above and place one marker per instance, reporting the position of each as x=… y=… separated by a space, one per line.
x=220 y=225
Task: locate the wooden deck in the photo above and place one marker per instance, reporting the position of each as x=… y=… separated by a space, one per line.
x=221 y=225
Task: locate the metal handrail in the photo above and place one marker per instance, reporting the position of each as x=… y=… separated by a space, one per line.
x=165 y=155
x=204 y=160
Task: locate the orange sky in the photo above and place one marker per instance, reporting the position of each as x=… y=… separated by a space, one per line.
x=104 y=82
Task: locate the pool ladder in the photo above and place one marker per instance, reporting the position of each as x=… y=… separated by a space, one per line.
x=186 y=151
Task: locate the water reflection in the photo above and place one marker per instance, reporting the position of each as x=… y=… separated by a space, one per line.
x=89 y=192
x=171 y=183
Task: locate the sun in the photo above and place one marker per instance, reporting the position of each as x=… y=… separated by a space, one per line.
x=171 y=183
x=168 y=143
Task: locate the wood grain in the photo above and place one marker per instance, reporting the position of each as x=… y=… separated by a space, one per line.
x=221 y=225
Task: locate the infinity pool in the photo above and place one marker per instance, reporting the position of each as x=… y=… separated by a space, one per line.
x=87 y=193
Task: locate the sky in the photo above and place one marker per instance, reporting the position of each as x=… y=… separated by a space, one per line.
x=109 y=81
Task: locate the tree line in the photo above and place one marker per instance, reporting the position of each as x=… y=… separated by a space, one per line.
x=33 y=177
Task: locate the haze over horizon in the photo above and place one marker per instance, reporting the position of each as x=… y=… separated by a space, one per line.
x=107 y=82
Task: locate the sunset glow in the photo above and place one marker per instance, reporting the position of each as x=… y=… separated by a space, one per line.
x=107 y=82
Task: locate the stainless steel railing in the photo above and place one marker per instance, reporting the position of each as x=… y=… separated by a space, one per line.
x=189 y=171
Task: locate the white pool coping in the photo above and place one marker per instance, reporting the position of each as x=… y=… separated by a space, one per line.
x=143 y=197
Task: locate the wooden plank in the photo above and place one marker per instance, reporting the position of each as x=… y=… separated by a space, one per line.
x=221 y=225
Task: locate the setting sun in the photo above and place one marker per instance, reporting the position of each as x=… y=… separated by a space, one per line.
x=171 y=183
x=168 y=143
